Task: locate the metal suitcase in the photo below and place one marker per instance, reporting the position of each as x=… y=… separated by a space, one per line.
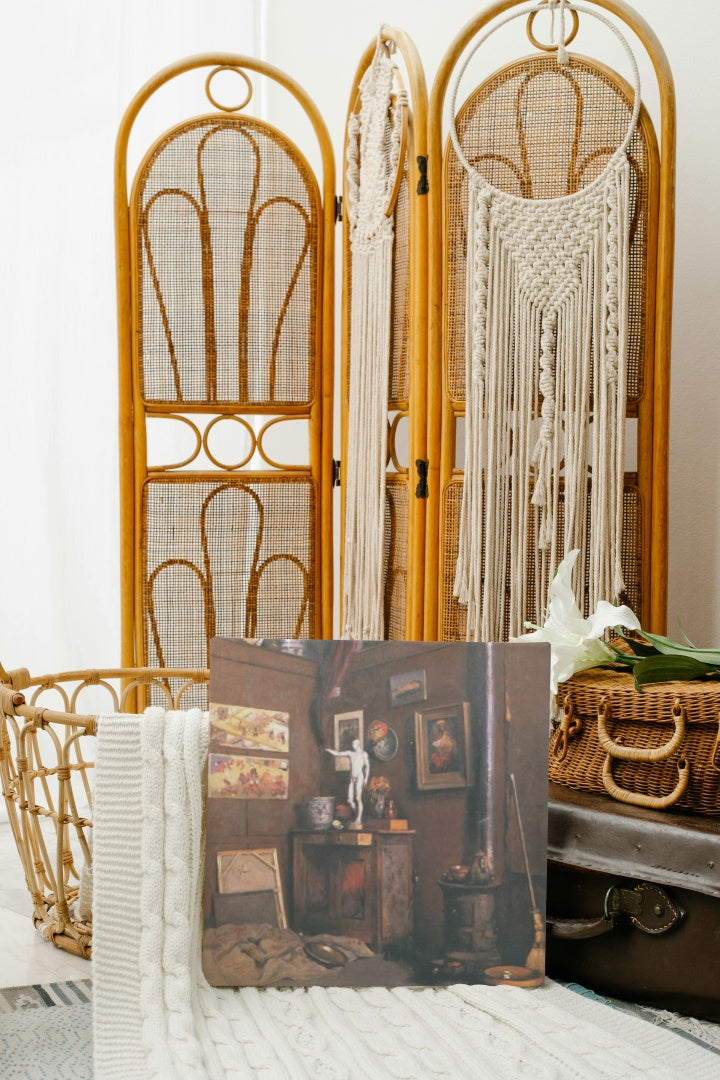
x=634 y=902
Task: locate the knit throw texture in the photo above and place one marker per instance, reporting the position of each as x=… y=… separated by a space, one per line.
x=156 y=1016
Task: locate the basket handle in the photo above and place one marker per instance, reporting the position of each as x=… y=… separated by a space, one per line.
x=633 y=753
x=652 y=802
x=570 y=726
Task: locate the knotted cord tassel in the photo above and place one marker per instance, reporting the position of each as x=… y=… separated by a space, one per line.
x=370 y=171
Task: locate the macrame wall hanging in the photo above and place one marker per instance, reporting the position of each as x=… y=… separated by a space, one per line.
x=375 y=155
x=546 y=340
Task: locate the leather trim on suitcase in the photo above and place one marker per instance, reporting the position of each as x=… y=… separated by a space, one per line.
x=649 y=884
x=594 y=832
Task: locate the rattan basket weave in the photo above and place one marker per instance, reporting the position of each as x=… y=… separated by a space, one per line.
x=46 y=755
x=659 y=747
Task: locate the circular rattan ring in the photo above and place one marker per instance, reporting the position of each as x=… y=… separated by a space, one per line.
x=215 y=460
x=551 y=48
x=238 y=71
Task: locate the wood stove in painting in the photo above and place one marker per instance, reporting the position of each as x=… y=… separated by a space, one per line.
x=470 y=932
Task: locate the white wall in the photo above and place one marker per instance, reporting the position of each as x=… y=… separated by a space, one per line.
x=68 y=70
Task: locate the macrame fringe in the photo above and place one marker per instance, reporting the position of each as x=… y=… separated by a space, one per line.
x=372 y=161
x=547 y=289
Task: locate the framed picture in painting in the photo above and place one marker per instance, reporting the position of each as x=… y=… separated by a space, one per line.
x=443 y=753
x=250 y=887
x=407 y=688
x=347 y=727
x=241 y=728
x=237 y=776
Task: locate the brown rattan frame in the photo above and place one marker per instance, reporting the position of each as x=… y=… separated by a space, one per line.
x=413 y=406
x=135 y=471
x=41 y=746
x=653 y=410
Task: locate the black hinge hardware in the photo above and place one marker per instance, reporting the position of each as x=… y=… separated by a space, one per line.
x=338 y=208
x=423 y=187
x=421 y=491
x=335 y=473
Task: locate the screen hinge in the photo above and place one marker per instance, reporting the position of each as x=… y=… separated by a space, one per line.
x=422 y=187
x=335 y=473
x=338 y=208
x=421 y=491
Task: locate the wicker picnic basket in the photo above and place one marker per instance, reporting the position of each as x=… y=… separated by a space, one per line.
x=658 y=747
x=46 y=754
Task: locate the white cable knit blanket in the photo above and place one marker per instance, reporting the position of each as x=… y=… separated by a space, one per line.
x=156 y=1016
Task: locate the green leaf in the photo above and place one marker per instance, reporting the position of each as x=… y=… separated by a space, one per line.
x=640 y=648
x=655 y=669
x=687 y=639
x=672 y=648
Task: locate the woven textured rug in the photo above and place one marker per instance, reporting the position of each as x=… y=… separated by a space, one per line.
x=46 y=1031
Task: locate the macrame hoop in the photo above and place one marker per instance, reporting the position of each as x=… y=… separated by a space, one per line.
x=374 y=167
x=542 y=321
x=524 y=13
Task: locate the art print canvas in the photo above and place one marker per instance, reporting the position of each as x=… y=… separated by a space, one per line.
x=235 y=776
x=376 y=813
x=252 y=729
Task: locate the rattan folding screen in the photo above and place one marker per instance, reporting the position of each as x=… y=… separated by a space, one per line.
x=225 y=287
x=226 y=314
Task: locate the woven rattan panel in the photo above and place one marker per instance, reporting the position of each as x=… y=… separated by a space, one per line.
x=226 y=218
x=539 y=131
x=399 y=375
x=397 y=486
x=234 y=557
x=396 y=556
x=453 y=618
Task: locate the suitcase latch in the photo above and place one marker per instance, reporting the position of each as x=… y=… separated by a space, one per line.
x=647 y=906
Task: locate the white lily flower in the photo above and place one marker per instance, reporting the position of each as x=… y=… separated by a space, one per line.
x=575 y=641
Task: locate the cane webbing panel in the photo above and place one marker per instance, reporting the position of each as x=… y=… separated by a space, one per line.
x=397 y=490
x=396 y=555
x=539 y=131
x=226 y=215
x=233 y=557
x=453 y=616
x=399 y=375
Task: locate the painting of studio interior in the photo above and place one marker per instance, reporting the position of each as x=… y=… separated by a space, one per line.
x=376 y=813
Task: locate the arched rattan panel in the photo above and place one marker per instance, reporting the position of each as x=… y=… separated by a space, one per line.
x=539 y=130
x=407 y=389
x=225 y=287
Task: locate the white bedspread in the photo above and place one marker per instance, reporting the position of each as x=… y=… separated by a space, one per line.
x=156 y=1016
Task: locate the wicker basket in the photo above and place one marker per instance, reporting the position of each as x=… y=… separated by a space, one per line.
x=46 y=754
x=659 y=747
